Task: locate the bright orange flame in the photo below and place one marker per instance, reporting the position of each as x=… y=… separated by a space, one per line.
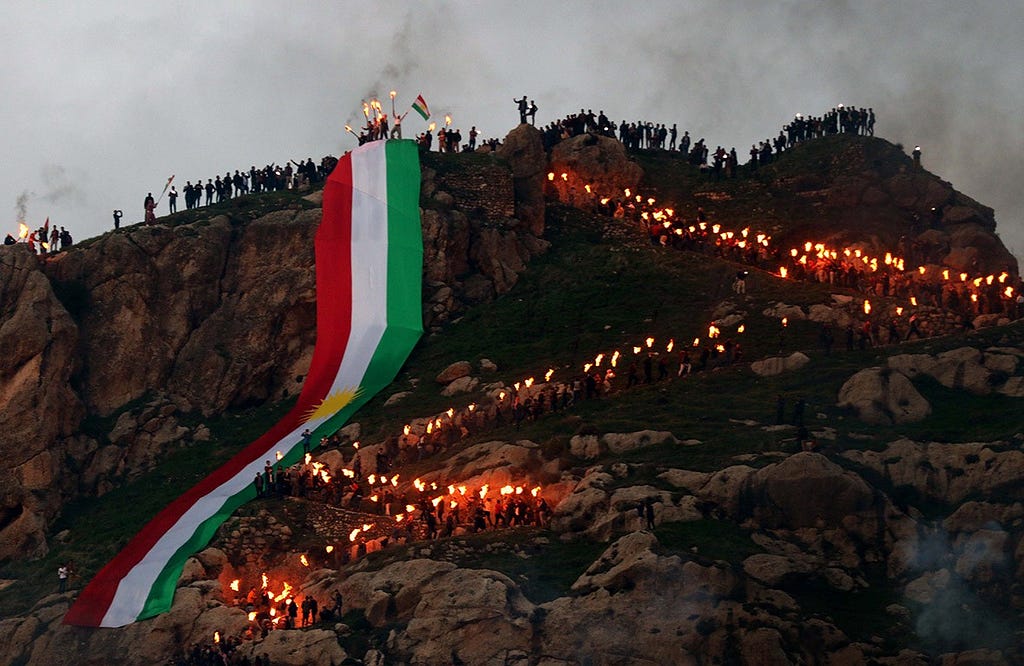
x=393 y=93
x=216 y=637
x=615 y=358
x=409 y=508
x=783 y=271
x=785 y=322
x=353 y=534
x=305 y=562
x=234 y=584
x=399 y=517
x=265 y=581
x=636 y=350
x=447 y=120
x=598 y=359
x=587 y=367
x=741 y=328
x=565 y=176
x=649 y=342
x=535 y=491
x=587 y=188
x=945 y=274
x=913 y=301
x=23 y=230
x=528 y=382
x=279 y=455
x=462 y=490
x=899 y=310
x=547 y=377
x=551 y=175
x=405 y=430
x=671 y=344
x=483 y=490
x=252 y=616
x=329 y=549
x=867 y=306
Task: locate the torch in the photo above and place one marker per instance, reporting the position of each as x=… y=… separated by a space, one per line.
x=348 y=128
x=393 y=93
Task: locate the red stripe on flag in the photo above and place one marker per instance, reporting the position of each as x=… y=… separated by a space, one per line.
x=334 y=320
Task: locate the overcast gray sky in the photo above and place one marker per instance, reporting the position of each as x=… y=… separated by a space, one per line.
x=102 y=101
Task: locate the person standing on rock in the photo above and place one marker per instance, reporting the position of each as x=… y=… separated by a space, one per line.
x=521 y=103
x=258 y=483
x=916 y=155
x=62 y=577
x=150 y=205
x=117 y=219
x=649 y=513
x=307 y=436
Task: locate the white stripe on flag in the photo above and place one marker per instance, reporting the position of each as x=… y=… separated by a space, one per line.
x=369 y=251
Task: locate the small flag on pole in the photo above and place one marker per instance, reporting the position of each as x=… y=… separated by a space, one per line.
x=420 y=107
x=168 y=184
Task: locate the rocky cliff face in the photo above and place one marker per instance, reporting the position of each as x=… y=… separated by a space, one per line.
x=154 y=322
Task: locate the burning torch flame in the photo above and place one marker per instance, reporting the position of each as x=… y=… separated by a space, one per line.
x=650 y=342
x=234 y=584
x=329 y=549
x=305 y=562
x=867 y=306
x=547 y=378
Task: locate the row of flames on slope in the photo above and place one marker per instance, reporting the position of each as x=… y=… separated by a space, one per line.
x=744 y=238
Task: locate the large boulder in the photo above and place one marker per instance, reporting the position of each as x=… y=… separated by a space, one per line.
x=523 y=149
x=776 y=365
x=598 y=161
x=882 y=396
x=806 y=490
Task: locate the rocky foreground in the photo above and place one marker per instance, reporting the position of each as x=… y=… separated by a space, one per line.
x=820 y=537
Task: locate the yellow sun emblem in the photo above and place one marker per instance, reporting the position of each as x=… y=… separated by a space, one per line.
x=334 y=403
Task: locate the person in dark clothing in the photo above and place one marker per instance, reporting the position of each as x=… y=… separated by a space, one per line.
x=649 y=513
x=523 y=108
x=117 y=218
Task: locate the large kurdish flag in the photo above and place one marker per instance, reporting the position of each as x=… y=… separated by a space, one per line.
x=369 y=255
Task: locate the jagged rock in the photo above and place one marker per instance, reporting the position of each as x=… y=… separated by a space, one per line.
x=924 y=588
x=771 y=569
x=783 y=311
x=475 y=616
x=618 y=443
x=460 y=385
x=982 y=555
x=763 y=647
x=454 y=371
x=298 y=647
x=962 y=369
x=589 y=447
x=776 y=365
x=523 y=149
x=807 y=489
x=839 y=318
x=943 y=471
x=973 y=516
x=396 y=398
x=912 y=365
x=487 y=365
x=881 y=396
x=589 y=159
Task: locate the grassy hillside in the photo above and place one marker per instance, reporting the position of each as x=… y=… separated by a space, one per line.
x=588 y=295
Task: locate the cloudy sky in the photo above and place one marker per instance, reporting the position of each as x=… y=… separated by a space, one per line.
x=102 y=101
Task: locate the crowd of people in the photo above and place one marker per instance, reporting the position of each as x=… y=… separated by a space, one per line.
x=44 y=240
x=271 y=178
